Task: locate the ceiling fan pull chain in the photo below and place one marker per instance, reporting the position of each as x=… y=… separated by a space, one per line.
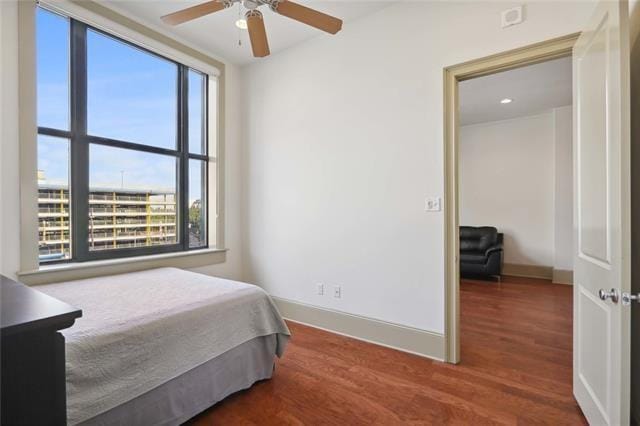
x=239 y=30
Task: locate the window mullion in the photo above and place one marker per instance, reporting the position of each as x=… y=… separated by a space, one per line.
x=198 y=157
x=97 y=140
x=205 y=136
x=183 y=143
x=56 y=133
x=79 y=143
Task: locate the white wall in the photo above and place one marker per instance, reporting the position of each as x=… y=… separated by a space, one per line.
x=9 y=176
x=344 y=140
x=563 y=187
x=9 y=162
x=507 y=181
x=517 y=175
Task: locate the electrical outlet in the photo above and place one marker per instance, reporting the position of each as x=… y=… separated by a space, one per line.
x=433 y=204
x=320 y=289
x=337 y=292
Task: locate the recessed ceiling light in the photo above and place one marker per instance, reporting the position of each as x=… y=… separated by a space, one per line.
x=242 y=24
x=506 y=101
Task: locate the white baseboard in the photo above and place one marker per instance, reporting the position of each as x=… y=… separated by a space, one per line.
x=403 y=338
x=562 y=276
x=527 y=271
x=557 y=276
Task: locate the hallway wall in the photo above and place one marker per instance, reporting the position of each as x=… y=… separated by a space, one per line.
x=516 y=175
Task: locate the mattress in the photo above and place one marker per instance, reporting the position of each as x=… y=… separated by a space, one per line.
x=143 y=329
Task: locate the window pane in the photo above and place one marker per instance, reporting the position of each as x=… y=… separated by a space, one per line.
x=197 y=202
x=53 y=199
x=52 y=40
x=132 y=94
x=196 y=112
x=132 y=199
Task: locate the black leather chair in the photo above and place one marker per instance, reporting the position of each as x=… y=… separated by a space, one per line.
x=480 y=251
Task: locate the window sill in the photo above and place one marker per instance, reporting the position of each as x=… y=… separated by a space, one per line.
x=73 y=271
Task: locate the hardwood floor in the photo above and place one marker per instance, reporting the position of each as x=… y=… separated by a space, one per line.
x=515 y=369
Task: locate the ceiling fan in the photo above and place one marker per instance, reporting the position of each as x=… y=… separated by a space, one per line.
x=255 y=23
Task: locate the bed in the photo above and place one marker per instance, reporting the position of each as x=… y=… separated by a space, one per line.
x=160 y=346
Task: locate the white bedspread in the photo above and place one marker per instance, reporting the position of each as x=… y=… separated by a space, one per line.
x=141 y=329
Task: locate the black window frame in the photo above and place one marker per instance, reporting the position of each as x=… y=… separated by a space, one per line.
x=80 y=141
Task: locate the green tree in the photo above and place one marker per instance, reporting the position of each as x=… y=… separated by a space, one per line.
x=194 y=217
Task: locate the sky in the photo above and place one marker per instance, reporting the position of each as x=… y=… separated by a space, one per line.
x=131 y=97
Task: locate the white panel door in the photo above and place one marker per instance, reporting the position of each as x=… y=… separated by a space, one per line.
x=602 y=216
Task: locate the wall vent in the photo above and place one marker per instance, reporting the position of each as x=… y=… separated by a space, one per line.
x=512 y=16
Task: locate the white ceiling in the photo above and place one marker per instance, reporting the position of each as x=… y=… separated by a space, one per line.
x=534 y=89
x=217 y=34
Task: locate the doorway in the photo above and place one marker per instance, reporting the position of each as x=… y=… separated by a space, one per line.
x=534 y=54
x=515 y=173
x=515 y=206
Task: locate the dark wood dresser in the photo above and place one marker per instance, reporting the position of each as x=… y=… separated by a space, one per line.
x=32 y=355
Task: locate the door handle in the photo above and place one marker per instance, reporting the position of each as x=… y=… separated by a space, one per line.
x=611 y=294
x=627 y=298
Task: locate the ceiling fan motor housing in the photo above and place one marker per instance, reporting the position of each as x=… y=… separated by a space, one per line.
x=251 y=4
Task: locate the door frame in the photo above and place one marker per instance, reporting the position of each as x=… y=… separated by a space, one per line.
x=528 y=55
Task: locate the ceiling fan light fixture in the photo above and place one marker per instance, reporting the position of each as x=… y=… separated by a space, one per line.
x=241 y=23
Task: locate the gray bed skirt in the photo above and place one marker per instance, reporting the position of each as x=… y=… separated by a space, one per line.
x=185 y=396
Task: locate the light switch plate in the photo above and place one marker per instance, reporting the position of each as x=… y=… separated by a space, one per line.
x=433 y=204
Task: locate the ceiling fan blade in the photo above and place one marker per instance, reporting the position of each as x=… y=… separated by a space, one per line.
x=308 y=16
x=193 y=12
x=257 y=34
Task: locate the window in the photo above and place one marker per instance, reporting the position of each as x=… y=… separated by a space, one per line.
x=122 y=146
